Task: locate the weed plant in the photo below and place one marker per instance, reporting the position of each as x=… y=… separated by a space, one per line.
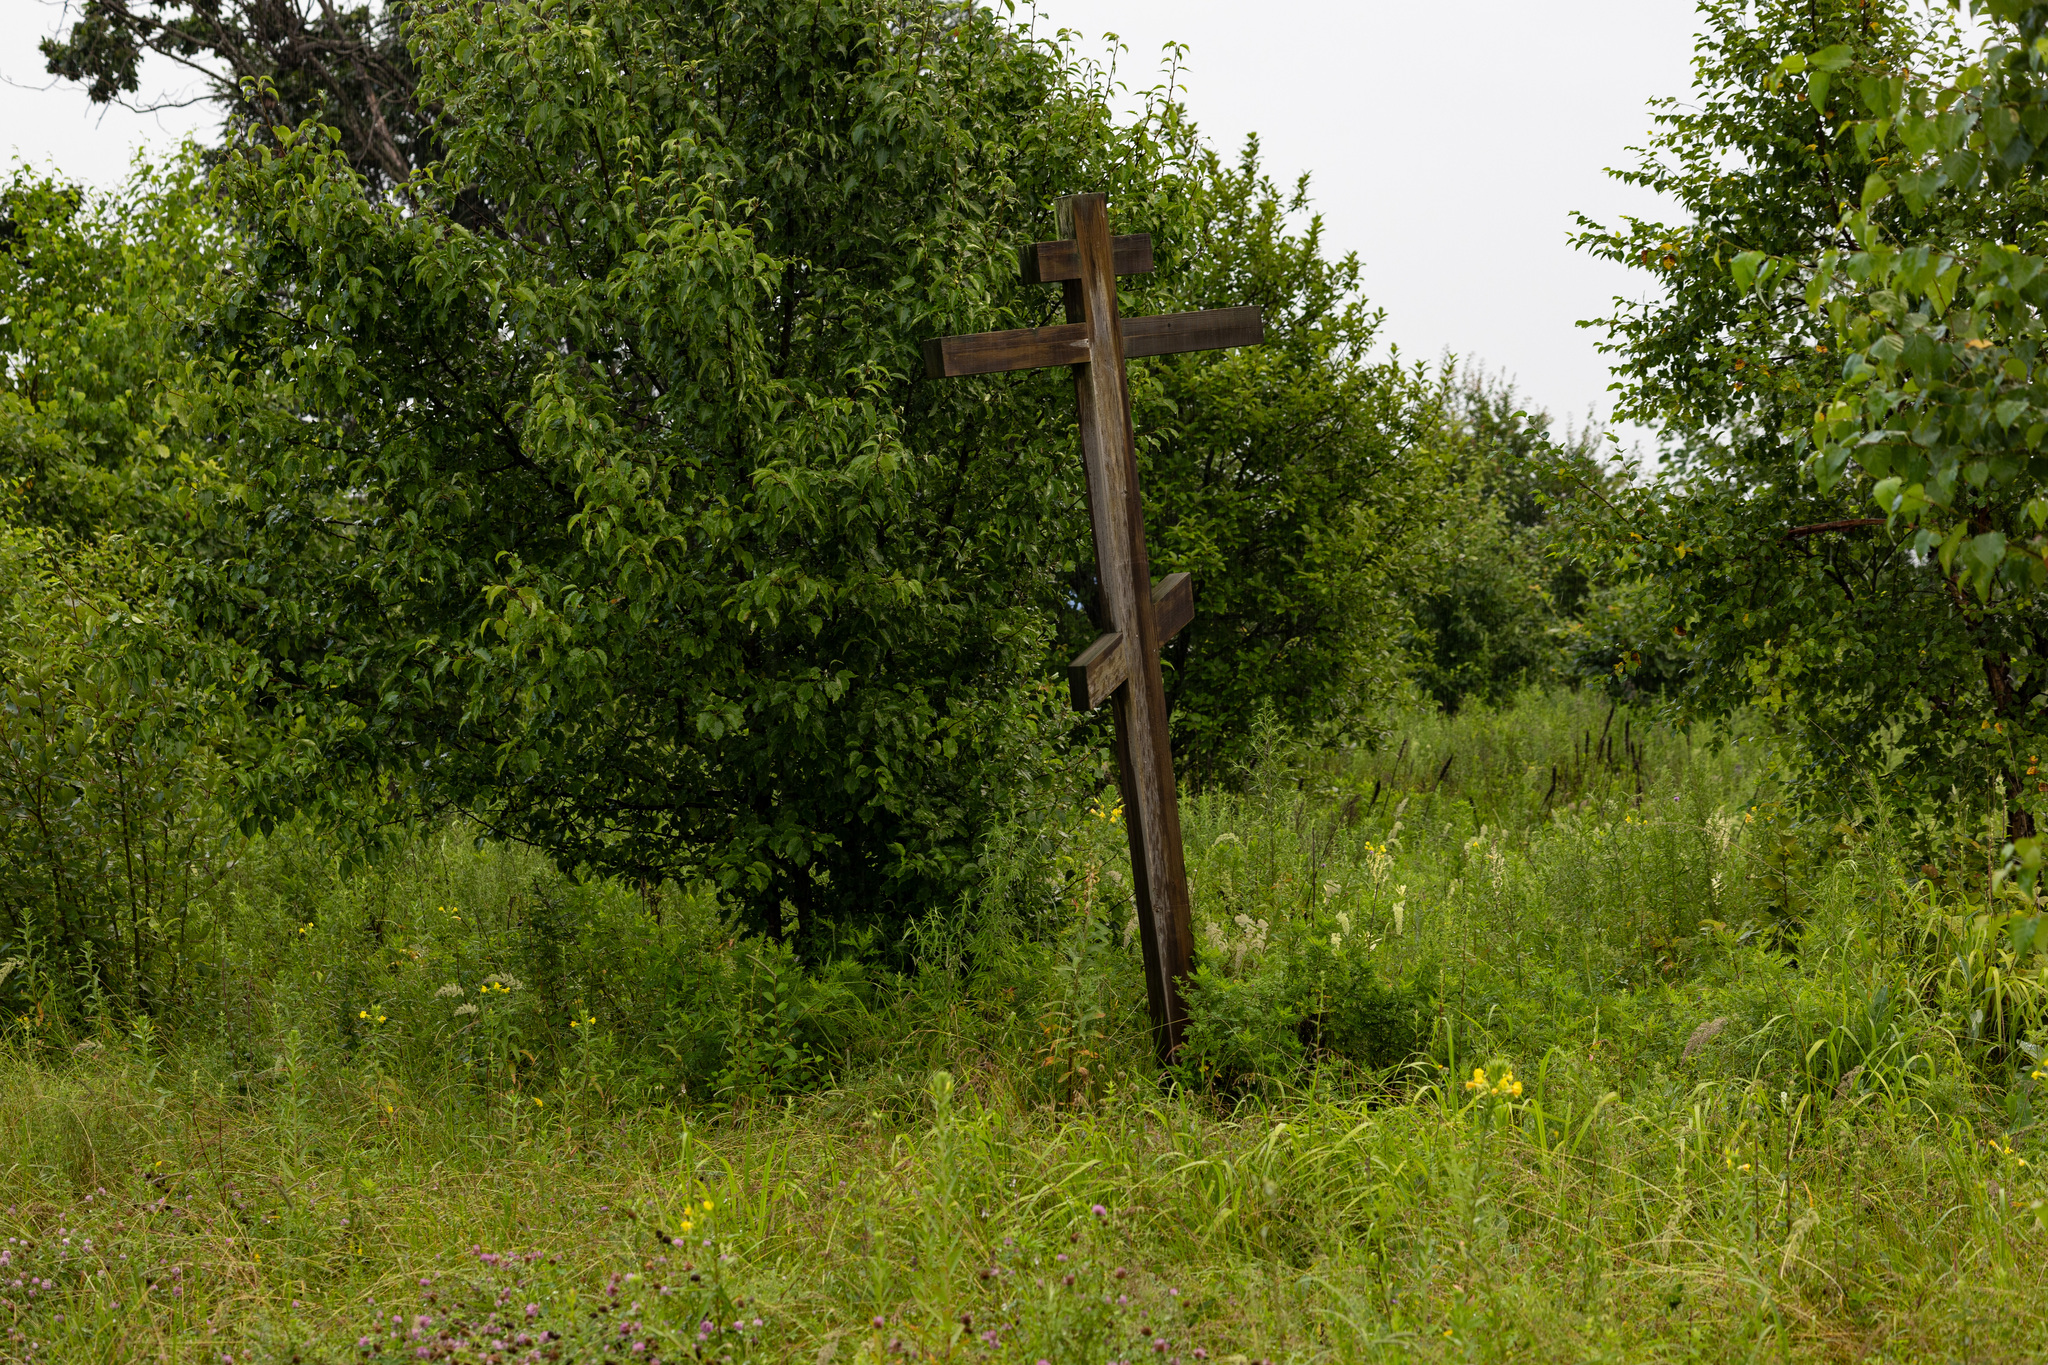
x=1513 y=1041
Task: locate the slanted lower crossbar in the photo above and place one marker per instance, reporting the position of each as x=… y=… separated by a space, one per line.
x=1100 y=669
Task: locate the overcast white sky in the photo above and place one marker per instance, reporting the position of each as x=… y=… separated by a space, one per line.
x=1449 y=144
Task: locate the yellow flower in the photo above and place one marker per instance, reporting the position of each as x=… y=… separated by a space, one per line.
x=364 y=1014
x=1478 y=1081
x=708 y=1206
x=536 y=1101
x=382 y=1017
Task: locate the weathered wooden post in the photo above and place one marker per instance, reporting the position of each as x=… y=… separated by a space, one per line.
x=1122 y=666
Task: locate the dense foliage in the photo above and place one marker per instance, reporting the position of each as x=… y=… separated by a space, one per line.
x=95 y=294
x=1939 y=313
x=1499 y=603
x=1297 y=481
x=629 y=524
x=663 y=854
x=1879 y=660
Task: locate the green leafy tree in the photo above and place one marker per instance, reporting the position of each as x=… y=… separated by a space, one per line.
x=1785 y=589
x=1493 y=602
x=1937 y=424
x=1291 y=480
x=265 y=63
x=96 y=293
x=630 y=523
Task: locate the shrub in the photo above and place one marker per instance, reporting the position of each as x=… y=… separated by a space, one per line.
x=111 y=774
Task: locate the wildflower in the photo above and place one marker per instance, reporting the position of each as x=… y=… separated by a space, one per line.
x=537 y=1102
x=1478 y=1081
x=1099 y=1211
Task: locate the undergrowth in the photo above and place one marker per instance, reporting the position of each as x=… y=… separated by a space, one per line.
x=1520 y=1036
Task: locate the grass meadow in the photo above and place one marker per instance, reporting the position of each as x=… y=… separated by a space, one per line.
x=1685 y=1075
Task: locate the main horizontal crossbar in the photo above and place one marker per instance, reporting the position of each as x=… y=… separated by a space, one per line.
x=1104 y=666
x=1036 y=348
x=1212 y=329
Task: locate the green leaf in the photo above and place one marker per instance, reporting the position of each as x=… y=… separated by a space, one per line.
x=1744 y=268
x=1875 y=188
x=1918 y=188
x=1949 y=545
x=1983 y=554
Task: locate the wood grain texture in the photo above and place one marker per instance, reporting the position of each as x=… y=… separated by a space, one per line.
x=1124 y=580
x=1033 y=348
x=1027 y=348
x=1098 y=671
x=1173 y=604
x=1212 y=329
x=1057 y=262
x=1123 y=665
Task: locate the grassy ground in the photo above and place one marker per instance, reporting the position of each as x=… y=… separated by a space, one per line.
x=1687 y=1095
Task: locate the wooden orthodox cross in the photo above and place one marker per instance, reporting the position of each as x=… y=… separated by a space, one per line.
x=1122 y=666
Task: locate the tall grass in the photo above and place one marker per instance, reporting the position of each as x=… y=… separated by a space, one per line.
x=1673 y=1096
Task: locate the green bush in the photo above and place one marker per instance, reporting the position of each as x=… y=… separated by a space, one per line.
x=1244 y=1031
x=112 y=781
